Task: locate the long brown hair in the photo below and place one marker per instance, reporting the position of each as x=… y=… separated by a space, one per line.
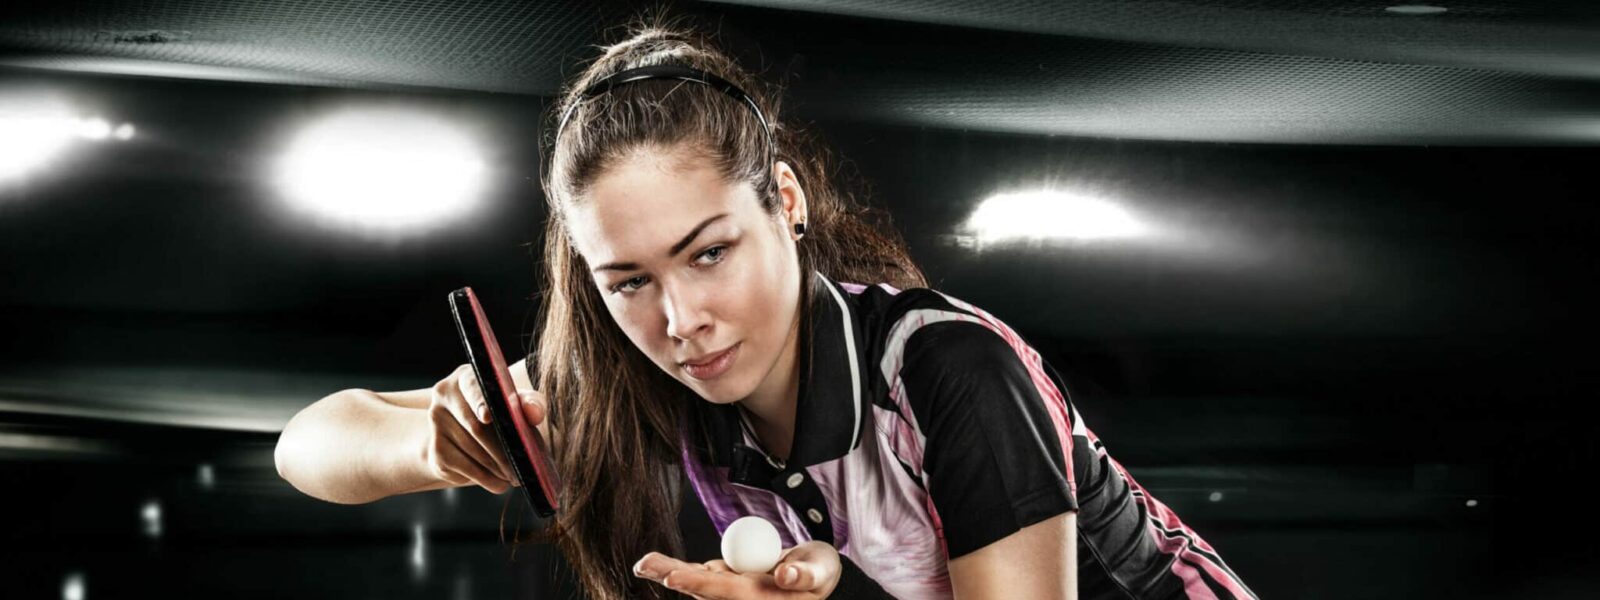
x=614 y=416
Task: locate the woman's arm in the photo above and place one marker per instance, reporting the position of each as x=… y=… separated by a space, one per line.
x=358 y=446
x=1038 y=561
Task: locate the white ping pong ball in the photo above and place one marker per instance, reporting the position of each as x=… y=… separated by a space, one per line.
x=751 y=545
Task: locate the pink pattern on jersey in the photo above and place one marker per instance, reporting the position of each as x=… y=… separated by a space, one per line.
x=1161 y=520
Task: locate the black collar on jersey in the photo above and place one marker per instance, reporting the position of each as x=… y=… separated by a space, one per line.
x=831 y=411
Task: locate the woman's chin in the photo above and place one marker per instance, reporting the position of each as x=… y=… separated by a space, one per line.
x=717 y=396
x=720 y=391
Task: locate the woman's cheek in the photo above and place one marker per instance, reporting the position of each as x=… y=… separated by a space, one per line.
x=632 y=323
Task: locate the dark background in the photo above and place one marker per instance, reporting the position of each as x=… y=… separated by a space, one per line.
x=1357 y=361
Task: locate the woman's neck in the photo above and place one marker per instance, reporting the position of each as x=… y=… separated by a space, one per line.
x=773 y=404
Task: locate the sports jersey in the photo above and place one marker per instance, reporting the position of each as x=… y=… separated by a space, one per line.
x=925 y=429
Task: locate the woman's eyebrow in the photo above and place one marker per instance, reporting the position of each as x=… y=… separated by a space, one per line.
x=676 y=248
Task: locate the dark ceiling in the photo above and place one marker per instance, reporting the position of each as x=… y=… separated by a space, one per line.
x=1519 y=73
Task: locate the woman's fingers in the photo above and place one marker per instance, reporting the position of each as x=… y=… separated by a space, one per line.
x=452 y=465
x=656 y=565
x=483 y=478
x=795 y=576
x=467 y=380
x=533 y=408
x=447 y=419
x=453 y=455
x=463 y=399
x=808 y=566
x=454 y=448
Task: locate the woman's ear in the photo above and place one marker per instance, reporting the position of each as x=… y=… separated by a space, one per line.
x=791 y=196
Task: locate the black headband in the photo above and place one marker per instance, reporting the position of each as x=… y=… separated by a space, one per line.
x=671 y=72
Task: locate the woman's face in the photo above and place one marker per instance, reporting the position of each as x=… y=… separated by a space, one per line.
x=691 y=266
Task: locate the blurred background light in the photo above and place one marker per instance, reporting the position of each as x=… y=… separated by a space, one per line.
x=463 y=589
x=419 y=551
x=94 y=128
x=208 y=476
x=75 y=587
x=33 y=130
x=150 y=514
x=36 y=128
x=1416 y=9
x=382 y=169
x=1046 y=215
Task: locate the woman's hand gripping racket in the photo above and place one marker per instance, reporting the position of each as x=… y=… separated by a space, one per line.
x=520 y=440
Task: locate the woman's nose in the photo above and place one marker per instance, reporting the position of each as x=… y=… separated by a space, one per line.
x=685 y=316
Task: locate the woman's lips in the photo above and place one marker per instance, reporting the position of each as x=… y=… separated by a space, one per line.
x=716 y=366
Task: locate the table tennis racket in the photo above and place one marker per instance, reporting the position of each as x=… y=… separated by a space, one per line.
x=519 y=439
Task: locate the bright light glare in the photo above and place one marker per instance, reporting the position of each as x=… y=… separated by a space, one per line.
x=123 y=132
x=35 y=129
x=75 y=587
x=1048 y=215
x=382 y=169
x=94 y=129
x=31 y=134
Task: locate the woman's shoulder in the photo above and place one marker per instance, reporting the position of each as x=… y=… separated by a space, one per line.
x=931 y=326
x=884 y=298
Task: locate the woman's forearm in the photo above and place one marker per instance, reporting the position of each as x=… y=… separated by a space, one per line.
x=353 y=447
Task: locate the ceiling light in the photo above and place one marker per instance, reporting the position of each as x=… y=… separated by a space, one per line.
x=33 y=131
x=1049 y=215
x=94 y=129
x=382 y=169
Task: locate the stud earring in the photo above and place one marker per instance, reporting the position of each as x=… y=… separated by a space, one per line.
x=800 y=228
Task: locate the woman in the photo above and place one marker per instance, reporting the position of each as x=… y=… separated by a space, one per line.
x=714 y=305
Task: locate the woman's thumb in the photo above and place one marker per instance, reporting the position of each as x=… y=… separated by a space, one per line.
x=532 y=408
x=796 y=575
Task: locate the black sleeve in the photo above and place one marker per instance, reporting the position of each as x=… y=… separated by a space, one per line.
x=854 y=584
x=993 y=458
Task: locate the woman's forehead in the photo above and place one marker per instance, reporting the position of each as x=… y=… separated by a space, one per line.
x=637 y=210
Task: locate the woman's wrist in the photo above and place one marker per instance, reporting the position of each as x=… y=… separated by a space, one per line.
x=398 y=457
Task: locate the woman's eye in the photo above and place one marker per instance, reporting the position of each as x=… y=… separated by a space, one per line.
x=717 y=253
x=619 y=287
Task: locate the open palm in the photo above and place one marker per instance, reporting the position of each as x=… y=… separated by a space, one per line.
x=806 y=571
